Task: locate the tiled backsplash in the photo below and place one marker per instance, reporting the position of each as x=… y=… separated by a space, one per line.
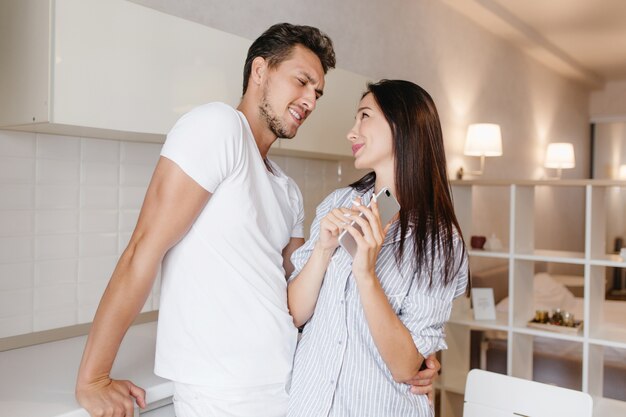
x=67 y=209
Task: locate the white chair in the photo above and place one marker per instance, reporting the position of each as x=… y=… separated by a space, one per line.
x=488 y=394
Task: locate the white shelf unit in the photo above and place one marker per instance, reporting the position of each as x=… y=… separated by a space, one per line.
x=521 y=253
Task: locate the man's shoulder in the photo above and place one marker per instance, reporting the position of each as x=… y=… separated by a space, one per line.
x=215 y=111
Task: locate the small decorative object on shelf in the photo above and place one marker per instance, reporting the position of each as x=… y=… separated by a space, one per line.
x=493 y=243
x=477 y=242
x=559 y=321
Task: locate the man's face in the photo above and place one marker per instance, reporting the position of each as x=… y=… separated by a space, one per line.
x=290 y=92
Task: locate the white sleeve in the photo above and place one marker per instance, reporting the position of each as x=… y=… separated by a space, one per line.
x=298 y=228
x=206 y=143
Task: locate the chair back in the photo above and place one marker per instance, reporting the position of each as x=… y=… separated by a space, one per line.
x=488 y=394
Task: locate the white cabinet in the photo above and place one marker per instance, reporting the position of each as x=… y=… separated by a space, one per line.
x=521 y=254
x=115 y=69
x=110 y=68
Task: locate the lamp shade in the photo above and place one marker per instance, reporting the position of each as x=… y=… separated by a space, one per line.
x=483 y=139
x=622 y=172
x=560 y=155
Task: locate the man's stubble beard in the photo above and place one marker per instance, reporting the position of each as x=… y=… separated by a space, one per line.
x=274 y=123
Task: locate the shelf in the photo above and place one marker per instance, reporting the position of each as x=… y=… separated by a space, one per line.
x=552 y=256
x=609 y=260
x=603 y=407
x=501 y=254
x=500 y=323
x=609 y=336
x=546 y=334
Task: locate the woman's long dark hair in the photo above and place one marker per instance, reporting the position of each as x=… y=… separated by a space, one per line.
x=421 y=181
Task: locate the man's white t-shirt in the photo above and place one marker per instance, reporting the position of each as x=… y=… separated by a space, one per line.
x=223 y=319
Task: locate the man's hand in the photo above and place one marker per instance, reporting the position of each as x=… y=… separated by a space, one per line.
x=422 y=383
x=111 y=398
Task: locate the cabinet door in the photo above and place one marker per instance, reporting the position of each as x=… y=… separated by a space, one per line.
x=122 y=66
x=324 y=132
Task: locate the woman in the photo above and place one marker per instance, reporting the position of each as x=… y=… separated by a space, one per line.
x=371 y=320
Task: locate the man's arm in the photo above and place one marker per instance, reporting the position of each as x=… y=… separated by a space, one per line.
x=173 y=201
x=294 y=243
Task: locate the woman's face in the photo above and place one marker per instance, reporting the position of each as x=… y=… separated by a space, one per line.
x=371 y=137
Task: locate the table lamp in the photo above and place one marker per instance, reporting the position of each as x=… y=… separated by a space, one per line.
x=483 y=139
x=560 y=156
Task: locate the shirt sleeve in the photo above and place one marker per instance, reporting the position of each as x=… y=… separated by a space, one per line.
x=206 y=144
x=298 y=227
x=301 y=255
x=426 y=309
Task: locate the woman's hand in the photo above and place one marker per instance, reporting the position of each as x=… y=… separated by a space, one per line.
x=370 y=242
x=331 y=227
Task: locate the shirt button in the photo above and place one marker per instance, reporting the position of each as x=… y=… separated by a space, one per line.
x=339 y=341
x=341 y=301
x=332 y=382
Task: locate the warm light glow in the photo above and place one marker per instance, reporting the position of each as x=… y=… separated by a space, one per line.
x=560 y=155
x=622 y=172
x=483 y=139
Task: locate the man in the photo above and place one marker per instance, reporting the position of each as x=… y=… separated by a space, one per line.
x=228 y=220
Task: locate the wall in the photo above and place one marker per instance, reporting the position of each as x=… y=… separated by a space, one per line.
x=67 y=209
x=609 y=104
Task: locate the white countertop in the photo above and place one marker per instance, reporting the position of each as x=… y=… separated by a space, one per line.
x=38 y=381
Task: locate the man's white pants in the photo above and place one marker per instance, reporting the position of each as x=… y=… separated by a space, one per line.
x=199 y=401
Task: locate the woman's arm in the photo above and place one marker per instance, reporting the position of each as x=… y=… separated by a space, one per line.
x=393 y=340
x=304 y=289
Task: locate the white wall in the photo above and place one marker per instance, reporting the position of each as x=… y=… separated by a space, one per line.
x=609 y=104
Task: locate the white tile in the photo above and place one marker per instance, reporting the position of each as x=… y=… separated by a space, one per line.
x=133 y=174
x=131 y=198
x=98 y=221
x=20 y=196
x=16 y=249
x=128 y=220
x=86 y=313
x=56 y=221
x=147 y=306
x=16 y=303
x=98 y=244
x=90 y=293
x=17 y=170
x=141 y=153
x=96 y=269
x=13 y=326
x=53 y=171
x=56 y=196
x=16 y=276
x=98 y=197
x=62 y=317
x=20 y=144
x=50 y=297
x=99 y=173
x=16 y=222
x=58 y=147
x=100 y=150
x=56 y=247
x=58 y=271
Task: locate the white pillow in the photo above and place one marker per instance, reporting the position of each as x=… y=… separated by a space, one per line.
x=548 y=294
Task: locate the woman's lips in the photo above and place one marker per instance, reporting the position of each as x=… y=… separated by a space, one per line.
x=356 y=147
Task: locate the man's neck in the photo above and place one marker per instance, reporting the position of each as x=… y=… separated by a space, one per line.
x=263 y=136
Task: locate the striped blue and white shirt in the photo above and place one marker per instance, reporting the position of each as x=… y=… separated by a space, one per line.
x=338 y=370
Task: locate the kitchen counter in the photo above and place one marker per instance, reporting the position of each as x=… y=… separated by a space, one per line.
x=38 y=381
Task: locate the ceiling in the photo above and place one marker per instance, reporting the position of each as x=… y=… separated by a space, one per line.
x=581 y=39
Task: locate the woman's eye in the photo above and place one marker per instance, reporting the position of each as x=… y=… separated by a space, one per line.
x=364 y=115
x=301 y=81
